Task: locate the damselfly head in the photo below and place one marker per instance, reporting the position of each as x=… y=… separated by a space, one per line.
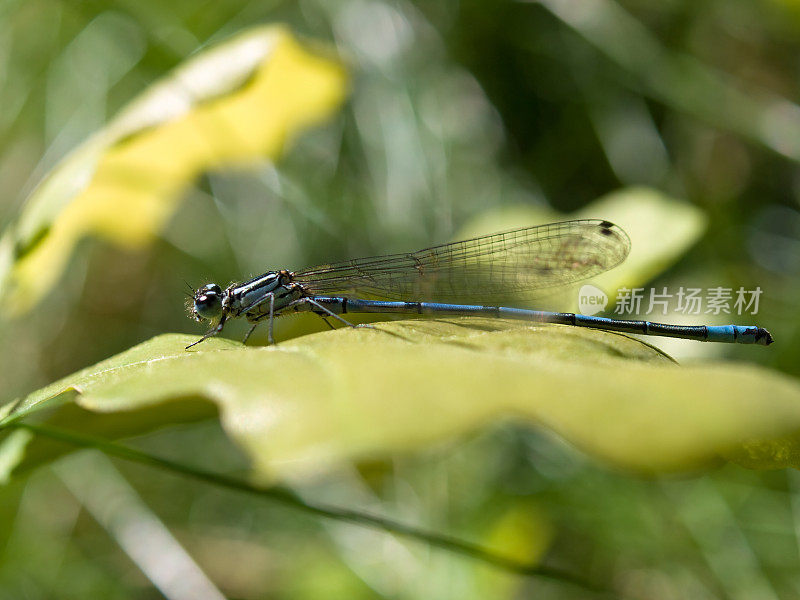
x=207 y=302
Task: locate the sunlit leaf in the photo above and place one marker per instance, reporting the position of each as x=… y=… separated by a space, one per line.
x=235 y=104
x=302 y=405
x=661 y=229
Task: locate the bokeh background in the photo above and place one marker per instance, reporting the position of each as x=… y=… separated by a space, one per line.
x=456 y=109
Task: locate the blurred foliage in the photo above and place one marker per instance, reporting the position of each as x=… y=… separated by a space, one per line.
x=456 y=109
x=229 y=106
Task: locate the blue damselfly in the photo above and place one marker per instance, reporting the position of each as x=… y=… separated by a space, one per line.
x=452 y=279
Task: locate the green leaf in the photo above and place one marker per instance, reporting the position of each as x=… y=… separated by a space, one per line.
x=12 y=452
x=305 y=404
x=661 y=229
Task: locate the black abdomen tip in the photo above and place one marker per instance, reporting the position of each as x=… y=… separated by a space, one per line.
x=763 y=337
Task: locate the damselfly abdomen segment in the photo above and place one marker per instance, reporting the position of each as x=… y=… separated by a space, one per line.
x=452 y=279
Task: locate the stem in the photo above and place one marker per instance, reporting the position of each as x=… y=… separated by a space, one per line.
x=288 y=498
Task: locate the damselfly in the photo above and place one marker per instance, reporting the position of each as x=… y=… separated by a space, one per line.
x=450 y=280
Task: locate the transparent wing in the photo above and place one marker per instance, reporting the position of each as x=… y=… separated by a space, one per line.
x=486 y=269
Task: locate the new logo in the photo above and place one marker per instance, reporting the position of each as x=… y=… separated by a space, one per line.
x=591 y=300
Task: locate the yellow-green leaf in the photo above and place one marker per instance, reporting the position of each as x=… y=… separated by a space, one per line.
x=233 y=104
x=304 y=404
x=661 y=229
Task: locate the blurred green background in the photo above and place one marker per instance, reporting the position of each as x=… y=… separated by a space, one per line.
x=456 y=109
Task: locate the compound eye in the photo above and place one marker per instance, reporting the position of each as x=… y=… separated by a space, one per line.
x=208 y=302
